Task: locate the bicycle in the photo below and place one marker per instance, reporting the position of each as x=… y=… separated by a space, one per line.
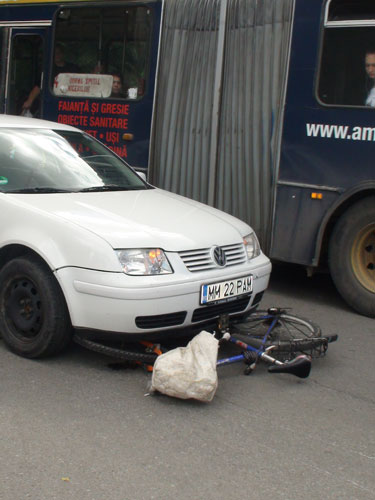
x=293 y=342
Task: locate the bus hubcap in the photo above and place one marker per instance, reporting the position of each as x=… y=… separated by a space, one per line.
x=363 y=257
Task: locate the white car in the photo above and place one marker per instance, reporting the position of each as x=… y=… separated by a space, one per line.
x=87 y=245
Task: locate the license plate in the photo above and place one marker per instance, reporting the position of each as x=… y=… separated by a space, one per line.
x=225 y=290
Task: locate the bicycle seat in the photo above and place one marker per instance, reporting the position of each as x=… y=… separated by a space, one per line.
x=299 y=366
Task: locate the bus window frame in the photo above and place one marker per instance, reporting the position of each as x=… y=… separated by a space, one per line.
x=84 y=5
x=360 y=22
x=25 y=29
x=326 y=24
x=4 y=70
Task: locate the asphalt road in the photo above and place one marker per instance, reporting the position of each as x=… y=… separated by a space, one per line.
x=72 y=428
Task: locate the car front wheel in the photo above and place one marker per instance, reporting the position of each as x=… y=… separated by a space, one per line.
x=34 y=320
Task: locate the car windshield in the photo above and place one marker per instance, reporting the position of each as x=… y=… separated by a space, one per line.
x=47 y=161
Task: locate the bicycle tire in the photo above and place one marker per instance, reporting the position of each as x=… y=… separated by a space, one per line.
x=290 y=336
x=115 y=352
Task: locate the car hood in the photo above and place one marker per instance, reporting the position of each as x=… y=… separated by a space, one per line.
x=147 y=218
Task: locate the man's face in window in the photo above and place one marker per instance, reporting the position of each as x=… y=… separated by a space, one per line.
x=116 y=85
x=370 y=65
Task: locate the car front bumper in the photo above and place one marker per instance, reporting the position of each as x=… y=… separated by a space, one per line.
x=138 y=305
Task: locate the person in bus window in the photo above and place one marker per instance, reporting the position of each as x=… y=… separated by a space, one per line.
x=98 y=69
x=370 y=77
x=59 y=66
x=117 y=86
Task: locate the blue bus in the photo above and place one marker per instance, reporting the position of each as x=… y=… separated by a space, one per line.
x=271 y=119
x=262 y=108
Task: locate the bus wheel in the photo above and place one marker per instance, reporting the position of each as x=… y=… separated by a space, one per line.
x=352 y=256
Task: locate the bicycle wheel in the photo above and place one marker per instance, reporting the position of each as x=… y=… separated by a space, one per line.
x=137 y=353
x=291 y=335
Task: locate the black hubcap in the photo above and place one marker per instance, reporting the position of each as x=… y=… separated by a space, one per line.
x=24 y=307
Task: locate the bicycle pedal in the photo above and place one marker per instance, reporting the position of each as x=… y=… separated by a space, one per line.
x=151 y=347
x=249 y=369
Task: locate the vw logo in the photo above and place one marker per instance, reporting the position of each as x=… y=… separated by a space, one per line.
x=219 y=256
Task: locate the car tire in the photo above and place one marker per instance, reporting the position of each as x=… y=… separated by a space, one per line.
x=34 y=319
x=352 y=256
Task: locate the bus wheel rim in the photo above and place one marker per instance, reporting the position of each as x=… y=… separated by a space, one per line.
x=363 y=257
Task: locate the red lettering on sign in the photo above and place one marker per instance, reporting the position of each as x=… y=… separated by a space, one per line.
x=121 y=151
x=114 y=109
x=103 y=120
x=74 y=120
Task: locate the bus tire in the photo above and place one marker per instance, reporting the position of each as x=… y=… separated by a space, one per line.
x=34 y=320
x=352 y=256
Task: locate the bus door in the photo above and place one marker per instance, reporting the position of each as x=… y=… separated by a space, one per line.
x=102 y=75
x=25 y=72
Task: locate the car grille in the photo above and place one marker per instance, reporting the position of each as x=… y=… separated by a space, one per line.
x=161 y=320
x=209 y=312
x=201 y=260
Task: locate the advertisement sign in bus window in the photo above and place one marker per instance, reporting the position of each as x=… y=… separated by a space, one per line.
x=83 y=85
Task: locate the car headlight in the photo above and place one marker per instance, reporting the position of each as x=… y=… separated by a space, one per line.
x=144 y=261
x=252 y=246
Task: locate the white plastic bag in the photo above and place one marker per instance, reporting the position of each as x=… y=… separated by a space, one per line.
x=188 y=372
x=27 y=112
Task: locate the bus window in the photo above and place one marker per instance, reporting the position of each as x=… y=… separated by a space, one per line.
x=344 y=10
x=349 y=35
x=108 y=41
x=25 y=72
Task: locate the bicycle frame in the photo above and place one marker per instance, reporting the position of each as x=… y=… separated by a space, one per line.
x=299 y=366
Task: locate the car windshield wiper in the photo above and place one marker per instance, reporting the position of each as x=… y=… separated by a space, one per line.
x=38 y=190
x=110 y=187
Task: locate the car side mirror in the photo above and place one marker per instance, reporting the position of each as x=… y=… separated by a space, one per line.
x=142 y=175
